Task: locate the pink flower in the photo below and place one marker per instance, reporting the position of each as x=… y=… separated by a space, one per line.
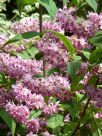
x=51 y=108
x=4 y=97
x=20 y=113
x=36 y=101
x=56 y=86
x=32 y=125
x=17 y=67
x=21 y=93
x=98 y=115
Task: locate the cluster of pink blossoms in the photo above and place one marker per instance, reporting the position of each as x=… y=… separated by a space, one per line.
x=28 y=24
x=55 y=86
x=17 y=67
x=53 y=49
x=95 y=94
x=4 y=97
x=31 y=24
x=66 y=19
x=84 y=28
x=32 y=101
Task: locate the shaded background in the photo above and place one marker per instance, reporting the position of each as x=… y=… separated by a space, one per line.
x=10 y=6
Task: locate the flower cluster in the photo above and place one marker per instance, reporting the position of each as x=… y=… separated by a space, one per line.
x=82 y=28
x=4 y=97
x=96 y=95
x=33 y=125
x=17 y=67
x=31 y=24
x=23 y=94
x=32 y=101
x=55 y=86
x=66 y=19
x=21 y=113
x=52 y=48
x=25 y=25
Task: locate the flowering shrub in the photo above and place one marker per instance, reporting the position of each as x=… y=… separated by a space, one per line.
x=51 y=85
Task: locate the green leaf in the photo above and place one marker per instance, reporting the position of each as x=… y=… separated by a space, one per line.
x=96 y=40
x=93 y=79
x=50 y=6
x=76 y=57
x=21 y=130
x=2 y=78
x=96 y=126
x=96 y=56
x=73 y=108
x=22 y=3
x=65 y=2
x=32 y=51
x=34 y=114
x=69 y=128
x=23 y=55
x=55 y=121
x=86 y=118
x=57 y=131
x=29 y=1
x=99 y=6
x=85 y=131
x=79 y=87
x=13 y=128
x=72 y=68
x=29 y=53
x=26 y=35
x=8 y=120
x=81 y=97
x=75 y=82
x=86 y=54
x=53 y=70
x=39 y=56
x=67 y=43
x=93 y=4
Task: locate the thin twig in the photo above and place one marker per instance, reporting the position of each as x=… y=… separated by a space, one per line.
x=81 y=115
x=40 y=19
x=40 y=29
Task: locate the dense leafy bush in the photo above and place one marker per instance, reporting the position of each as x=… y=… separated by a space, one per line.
x=51 y=70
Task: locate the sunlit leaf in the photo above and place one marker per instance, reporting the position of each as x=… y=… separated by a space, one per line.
x=55 y=121
x=50 y=6
x=67 y=43
x=93 y=4
x=26 y=35
x=22 y=3
x=8 y=120
x=34 y=114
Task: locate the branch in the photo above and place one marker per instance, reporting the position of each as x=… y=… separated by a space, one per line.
x=81 y=115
